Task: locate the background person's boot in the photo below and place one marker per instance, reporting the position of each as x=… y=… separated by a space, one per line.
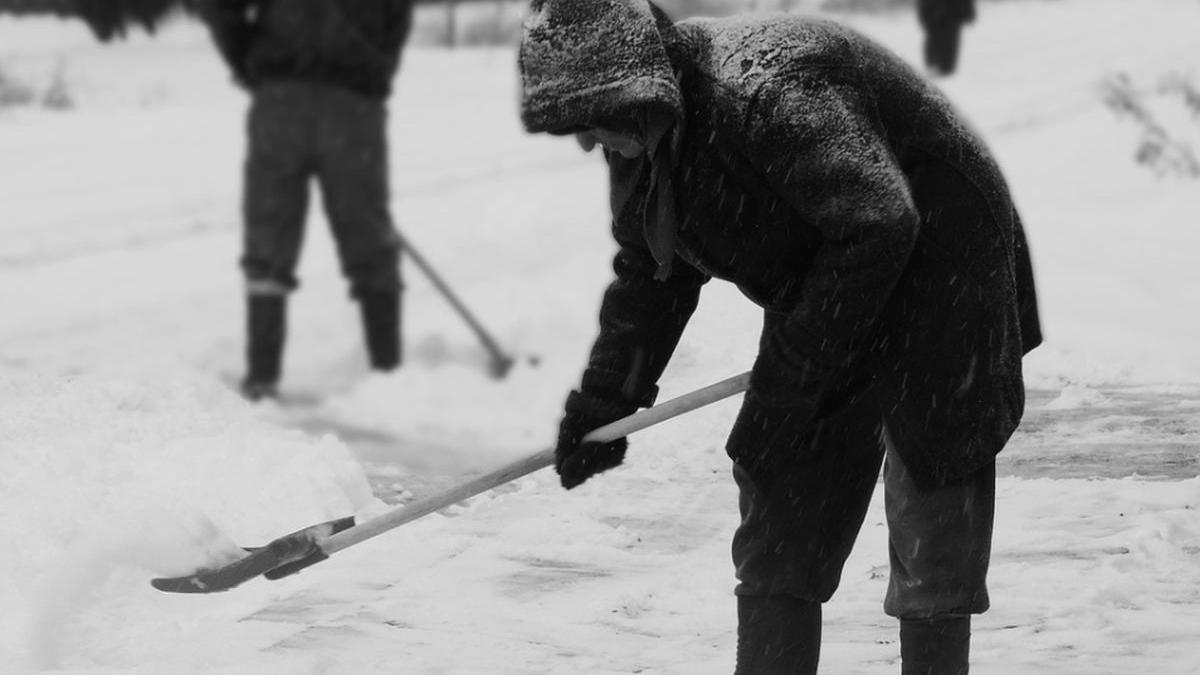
x=381 y=327
x=778 y=635
x=938 y=646
x=266 y=327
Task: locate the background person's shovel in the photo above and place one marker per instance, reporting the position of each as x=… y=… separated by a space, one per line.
x=499 y=361
x=291 y=553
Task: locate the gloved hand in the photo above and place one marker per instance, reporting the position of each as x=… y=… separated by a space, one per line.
x=575 y=461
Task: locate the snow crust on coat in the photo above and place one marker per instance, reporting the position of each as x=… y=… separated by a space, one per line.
x=585 y=60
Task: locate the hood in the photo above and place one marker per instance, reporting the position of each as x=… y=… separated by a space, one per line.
x=585 y=60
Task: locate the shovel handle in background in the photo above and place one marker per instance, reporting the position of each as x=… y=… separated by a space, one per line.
x=500 y=362
x=293 y=552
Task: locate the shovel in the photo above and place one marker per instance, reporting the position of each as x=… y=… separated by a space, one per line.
x=500 y=362
x=293 y=552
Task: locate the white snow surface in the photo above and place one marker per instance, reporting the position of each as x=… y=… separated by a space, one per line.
x=124 y=454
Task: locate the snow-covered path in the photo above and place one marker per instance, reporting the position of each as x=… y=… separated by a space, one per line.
x=123 y=455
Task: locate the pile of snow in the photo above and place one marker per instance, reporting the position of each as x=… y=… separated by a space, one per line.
x=125 y=455
x=108 y=482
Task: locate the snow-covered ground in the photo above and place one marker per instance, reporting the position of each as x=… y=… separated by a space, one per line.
x=124 y=455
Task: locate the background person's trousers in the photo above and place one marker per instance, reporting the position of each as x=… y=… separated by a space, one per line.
x=795 y=536
x=941 y=47
x=298 y=132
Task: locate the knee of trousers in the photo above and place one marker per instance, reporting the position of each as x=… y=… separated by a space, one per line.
x=265 y=286
x=939 y=543
x=776 y=553
x=378 y=272
x=948 y=594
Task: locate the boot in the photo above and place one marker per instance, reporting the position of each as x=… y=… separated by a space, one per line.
x=938 y=646
x=778 y=635
x=381 y=325
x=266 y=326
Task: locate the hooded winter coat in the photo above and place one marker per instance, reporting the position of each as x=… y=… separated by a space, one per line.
x=835 y=187
x=352 y=44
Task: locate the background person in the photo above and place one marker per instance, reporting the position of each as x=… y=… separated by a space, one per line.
x=942 y=21
x=320 y=73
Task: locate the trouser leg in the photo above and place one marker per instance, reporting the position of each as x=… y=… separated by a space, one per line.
x=941 y=47
x=353 y=176
x=279 y=165
x=798 y=527
x=799 y=524
x=274 y=203
x=939 y=547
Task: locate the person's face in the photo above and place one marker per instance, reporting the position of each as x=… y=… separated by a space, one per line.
x=625 y=144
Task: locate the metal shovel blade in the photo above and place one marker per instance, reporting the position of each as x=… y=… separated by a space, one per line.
x=283 y=556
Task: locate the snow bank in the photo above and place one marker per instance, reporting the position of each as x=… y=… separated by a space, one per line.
x=121 y=458
x=109 y=482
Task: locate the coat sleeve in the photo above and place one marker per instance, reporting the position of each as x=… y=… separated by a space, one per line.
x=1027 y=306
x=817 y=146
x=641 y=318
x=232 y=30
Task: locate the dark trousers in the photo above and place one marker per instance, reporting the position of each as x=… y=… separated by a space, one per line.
x=941 y=47
x=798 y=529
x=298 y=132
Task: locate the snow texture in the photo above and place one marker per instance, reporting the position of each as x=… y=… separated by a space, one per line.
x=125 y=455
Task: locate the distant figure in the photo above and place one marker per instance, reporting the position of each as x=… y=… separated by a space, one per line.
x=111 y=19
x=842 y=194
x=942 y=21
x=320 y=73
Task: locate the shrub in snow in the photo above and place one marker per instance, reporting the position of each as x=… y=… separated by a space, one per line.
x=14 y=92
x=1168 y=118
x=58 y=95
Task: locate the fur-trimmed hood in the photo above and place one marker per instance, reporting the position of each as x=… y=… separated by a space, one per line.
x=586 y=60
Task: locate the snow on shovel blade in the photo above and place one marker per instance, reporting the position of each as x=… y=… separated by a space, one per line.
x=286 y=555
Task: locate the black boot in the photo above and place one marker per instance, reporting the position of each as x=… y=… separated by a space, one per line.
x=266 y=326
x=778 y=635
x=381 y=325
x=939 y=646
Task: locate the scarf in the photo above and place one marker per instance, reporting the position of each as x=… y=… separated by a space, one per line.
x=660 y=220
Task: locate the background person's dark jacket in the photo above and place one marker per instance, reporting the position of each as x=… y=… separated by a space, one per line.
x=841 y=193
x=354 y=44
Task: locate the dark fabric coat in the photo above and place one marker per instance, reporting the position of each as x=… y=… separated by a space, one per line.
x=841 y=193
x=353 y=44
x=937 y=13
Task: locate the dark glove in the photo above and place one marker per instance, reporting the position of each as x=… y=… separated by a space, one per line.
x=575 y=461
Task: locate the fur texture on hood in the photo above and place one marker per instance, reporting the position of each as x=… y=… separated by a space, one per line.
x=588 y=60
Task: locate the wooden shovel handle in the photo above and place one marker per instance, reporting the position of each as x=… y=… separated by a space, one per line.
x=501 y=362
x=609 y=432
